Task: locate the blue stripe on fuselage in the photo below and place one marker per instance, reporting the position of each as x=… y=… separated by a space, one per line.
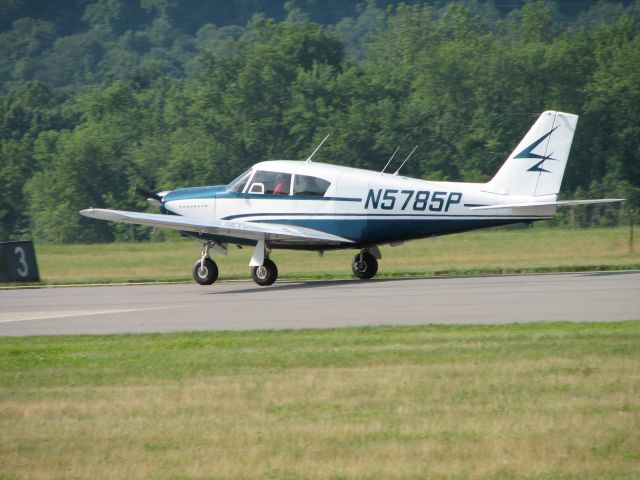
x=260 y=196
x=371 y=215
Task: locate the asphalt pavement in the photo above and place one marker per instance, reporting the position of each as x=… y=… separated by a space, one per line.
x=575 y=297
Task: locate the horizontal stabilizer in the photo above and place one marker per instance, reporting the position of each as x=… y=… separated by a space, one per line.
x=245 y=230
x=560 y=203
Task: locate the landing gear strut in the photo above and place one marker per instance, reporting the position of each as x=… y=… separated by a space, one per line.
x=364 y=265
x=205 y=270
x=263 y=271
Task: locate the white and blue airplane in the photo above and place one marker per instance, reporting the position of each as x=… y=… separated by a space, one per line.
x=305 y=205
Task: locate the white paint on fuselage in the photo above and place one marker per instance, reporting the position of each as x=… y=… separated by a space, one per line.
x=352 y=183
x=195 y=208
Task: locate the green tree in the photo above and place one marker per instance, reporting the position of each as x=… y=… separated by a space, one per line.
x=78 y=175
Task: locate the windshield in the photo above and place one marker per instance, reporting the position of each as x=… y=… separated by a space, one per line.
x=238 y=184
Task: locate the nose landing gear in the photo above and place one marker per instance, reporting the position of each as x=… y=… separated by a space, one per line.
x=205 y=270
x=205 y=273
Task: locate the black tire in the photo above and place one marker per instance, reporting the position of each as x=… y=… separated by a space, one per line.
x=365 y=268
x=266 y=274
x=206 y=275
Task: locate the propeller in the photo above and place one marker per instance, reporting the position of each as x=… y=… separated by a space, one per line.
x=144 y=193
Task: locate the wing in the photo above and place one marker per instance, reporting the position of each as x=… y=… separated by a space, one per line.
x=246 y=230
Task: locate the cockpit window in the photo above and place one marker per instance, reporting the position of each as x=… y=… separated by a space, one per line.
x=238 y=184
x=272 y=183
x=313 y=186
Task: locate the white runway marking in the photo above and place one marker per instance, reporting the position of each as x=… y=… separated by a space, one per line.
x=49 y=315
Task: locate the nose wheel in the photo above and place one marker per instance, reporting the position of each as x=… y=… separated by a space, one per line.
x=205 y=272
x=364 y=265
x=265 y=274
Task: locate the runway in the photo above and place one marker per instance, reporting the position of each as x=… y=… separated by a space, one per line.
x=575 y=297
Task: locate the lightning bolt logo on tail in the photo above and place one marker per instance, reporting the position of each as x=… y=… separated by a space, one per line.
x=528 y=153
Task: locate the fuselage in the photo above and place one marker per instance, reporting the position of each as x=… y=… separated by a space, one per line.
x=366 y=207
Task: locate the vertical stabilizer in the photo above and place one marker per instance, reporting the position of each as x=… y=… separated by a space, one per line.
x=536 y=166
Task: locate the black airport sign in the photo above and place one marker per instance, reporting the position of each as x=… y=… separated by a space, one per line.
x=18 y=262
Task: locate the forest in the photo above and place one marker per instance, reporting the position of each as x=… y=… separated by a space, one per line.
x=98 y=97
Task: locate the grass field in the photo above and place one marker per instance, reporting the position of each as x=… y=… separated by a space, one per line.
x=520 y=401
x=488 y=251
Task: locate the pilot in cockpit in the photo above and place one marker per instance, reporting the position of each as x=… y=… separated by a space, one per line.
x=282 y=185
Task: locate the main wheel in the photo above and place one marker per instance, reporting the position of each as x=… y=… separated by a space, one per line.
x=365 y=267
x=205 y=274
x=265 y=274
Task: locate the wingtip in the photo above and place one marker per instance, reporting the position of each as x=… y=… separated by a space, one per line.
x=98 y=213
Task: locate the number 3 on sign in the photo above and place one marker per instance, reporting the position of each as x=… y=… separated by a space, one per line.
x=23 y=268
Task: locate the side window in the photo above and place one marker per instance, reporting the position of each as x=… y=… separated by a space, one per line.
x=273 y=183
x=313 y=186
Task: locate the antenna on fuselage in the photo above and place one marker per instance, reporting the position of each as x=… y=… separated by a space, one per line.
x=405 y=160
x=317 y=148
x=394 y=154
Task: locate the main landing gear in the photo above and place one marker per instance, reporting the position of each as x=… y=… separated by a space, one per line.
x=365 y=264
x=263 y=271
x=265 y=274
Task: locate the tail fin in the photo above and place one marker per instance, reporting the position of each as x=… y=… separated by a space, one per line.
x=536 y=166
